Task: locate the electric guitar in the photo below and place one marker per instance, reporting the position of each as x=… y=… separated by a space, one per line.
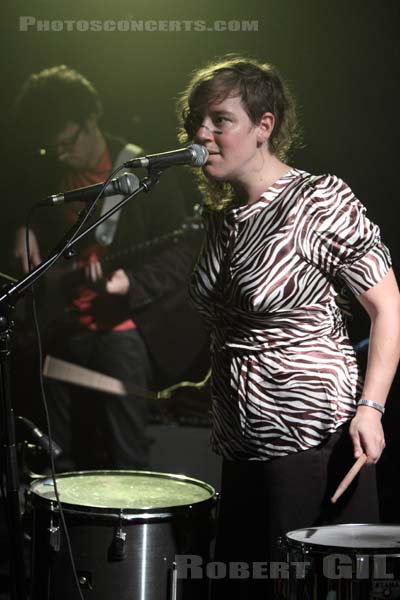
x=57 y=289
x=72 y=275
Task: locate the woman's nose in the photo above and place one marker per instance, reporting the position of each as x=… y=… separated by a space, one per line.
x=203 y=133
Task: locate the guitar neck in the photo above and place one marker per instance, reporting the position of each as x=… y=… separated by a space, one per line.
x=76 y=275
x=115 y=260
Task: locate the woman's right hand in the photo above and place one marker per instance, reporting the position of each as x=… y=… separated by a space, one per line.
x=20 y=249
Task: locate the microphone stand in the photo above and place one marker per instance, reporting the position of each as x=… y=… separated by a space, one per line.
x=9 y=295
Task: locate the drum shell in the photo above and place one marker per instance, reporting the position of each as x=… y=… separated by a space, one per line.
x=144 y=569
x=318 y=571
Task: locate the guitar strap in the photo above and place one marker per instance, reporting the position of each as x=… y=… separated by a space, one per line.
x=105 y=232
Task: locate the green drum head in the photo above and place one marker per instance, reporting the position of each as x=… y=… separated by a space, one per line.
x=125 y=490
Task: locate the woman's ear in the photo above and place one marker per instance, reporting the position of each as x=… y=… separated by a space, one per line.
x=265 y=127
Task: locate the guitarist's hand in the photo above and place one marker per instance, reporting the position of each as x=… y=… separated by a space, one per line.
x=20 y=249
x=94 y=271
x=118 y=283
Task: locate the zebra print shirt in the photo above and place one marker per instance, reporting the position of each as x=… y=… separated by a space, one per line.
x=268 y=282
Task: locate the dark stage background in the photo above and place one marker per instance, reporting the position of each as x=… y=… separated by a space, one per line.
x=340 y=57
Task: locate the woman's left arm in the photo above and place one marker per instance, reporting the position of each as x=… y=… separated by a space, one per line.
x=382 y=303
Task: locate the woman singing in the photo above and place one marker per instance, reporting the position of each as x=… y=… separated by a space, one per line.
x=290 y=410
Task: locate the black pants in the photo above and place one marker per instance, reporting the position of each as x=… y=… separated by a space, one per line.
x=98 y=430
x=262 y=501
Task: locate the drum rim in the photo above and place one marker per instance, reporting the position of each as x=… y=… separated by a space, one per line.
x=346 y=549
x=160 y=511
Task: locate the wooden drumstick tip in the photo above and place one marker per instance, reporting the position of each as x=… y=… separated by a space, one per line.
x=348 y=478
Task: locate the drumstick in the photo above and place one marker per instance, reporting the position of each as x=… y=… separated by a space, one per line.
x=348 y=478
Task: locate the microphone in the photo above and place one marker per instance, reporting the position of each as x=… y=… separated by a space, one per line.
x=39 y=437
x=194 y=155
x=124 y=184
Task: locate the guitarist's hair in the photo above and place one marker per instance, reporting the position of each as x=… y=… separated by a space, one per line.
x=53 y=97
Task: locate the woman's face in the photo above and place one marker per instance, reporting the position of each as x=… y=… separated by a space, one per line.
x=232 y=140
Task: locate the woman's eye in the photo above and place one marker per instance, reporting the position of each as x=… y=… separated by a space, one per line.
x=220 y=120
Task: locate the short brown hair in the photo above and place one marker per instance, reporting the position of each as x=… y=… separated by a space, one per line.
x=261 y=89
x=53 y=97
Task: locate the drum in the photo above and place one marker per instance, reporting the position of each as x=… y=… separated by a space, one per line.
x=126 y=530
x=343 y=562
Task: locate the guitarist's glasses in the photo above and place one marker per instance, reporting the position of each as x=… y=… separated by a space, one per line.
x=64 y=145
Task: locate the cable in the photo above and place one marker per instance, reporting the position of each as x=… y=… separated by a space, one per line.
x=46 y=411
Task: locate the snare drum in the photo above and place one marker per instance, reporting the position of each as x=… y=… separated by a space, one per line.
x=126 y=528
x=344 y=562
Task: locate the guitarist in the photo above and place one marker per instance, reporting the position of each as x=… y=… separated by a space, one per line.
x=105 y=319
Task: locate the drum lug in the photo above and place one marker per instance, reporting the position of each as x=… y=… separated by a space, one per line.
x=174 y=581
x=54 y=533
x=85 y=581
x=27 y=514
x=54 y=538
x=117 y=550
x=27 y=502
x=281 y=543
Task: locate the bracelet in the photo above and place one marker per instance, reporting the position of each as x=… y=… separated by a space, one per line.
x=371 y=404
